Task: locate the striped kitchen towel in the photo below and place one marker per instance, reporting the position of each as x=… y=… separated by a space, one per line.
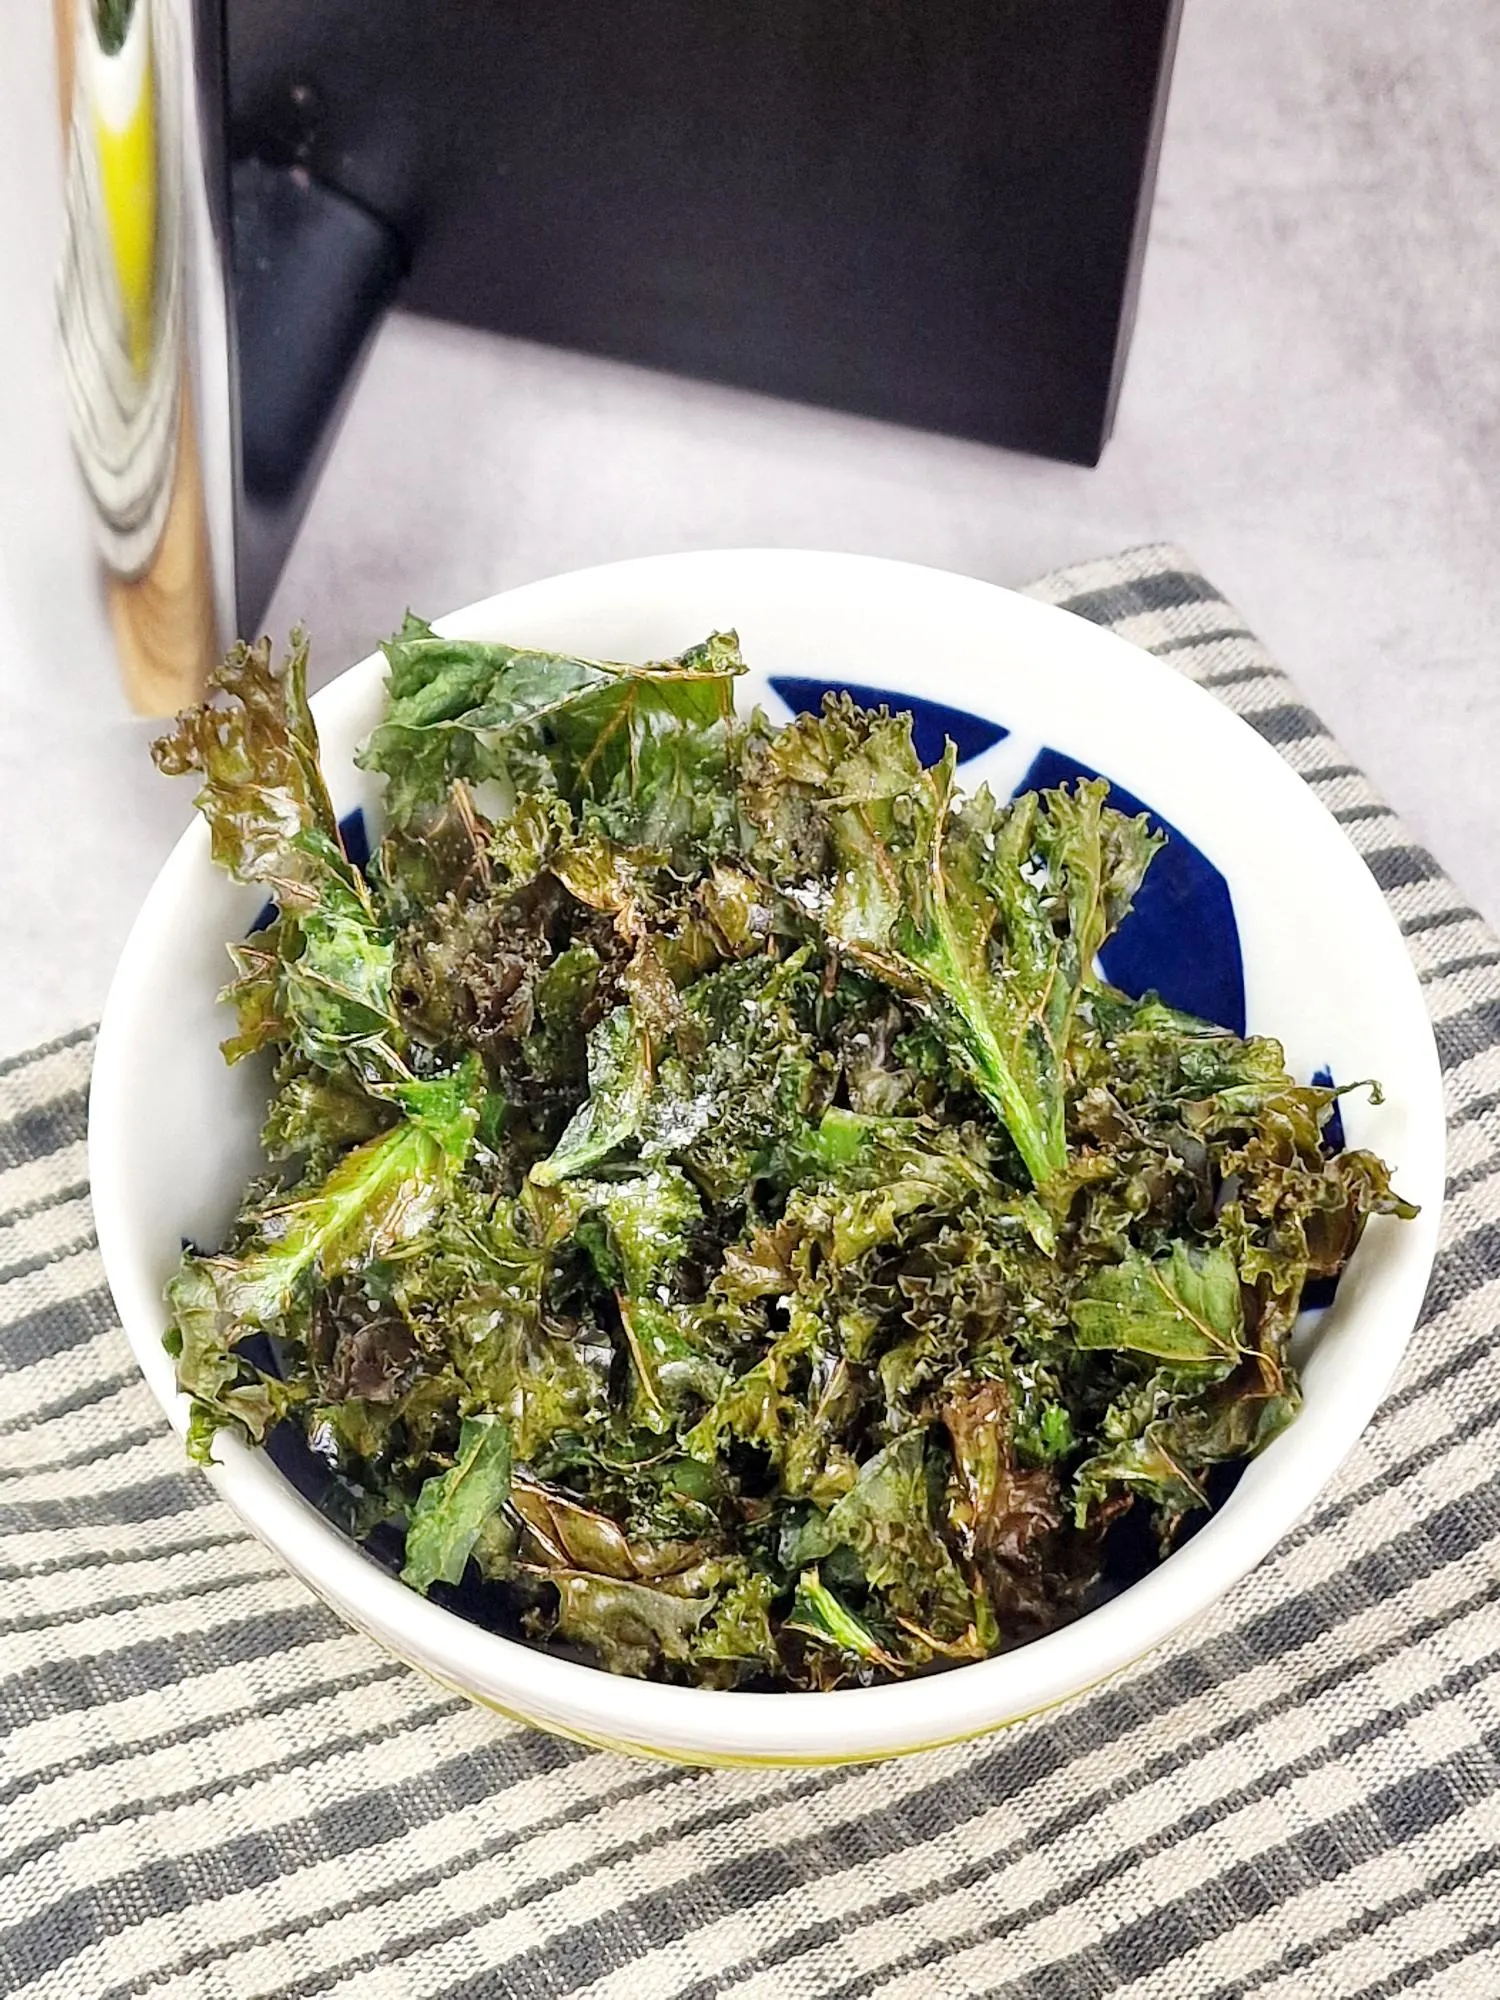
x=209 y=1787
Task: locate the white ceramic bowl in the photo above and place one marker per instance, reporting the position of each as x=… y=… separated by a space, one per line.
x=173 y=1130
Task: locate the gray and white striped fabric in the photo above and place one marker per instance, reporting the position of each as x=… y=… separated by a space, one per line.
x=209 y=1787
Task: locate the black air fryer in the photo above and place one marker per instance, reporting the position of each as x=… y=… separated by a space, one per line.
x=931 y=211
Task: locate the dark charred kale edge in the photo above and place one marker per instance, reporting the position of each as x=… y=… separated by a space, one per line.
x=717 y=1223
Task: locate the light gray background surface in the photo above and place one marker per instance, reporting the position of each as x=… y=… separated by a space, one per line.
x=1312 y=408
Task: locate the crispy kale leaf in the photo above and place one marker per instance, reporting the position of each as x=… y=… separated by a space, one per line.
x=886 y=1520
x=629 y=1627
x=642 y=749
x=818 y=1613
x=453 y=1506
x=380 y=1195
x=318 y=978
x=636 y=1231
x=993 y=916
x=609 y=1118
x=1183 y=1308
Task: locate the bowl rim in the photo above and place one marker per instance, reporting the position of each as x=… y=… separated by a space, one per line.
x=705 y=1724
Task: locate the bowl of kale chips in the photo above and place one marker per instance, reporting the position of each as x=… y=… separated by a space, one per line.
x=761 y=1156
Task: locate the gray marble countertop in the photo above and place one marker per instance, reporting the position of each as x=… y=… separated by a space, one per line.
x=1312 y=409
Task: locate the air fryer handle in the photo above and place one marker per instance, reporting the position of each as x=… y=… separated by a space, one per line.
x=313 y=275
